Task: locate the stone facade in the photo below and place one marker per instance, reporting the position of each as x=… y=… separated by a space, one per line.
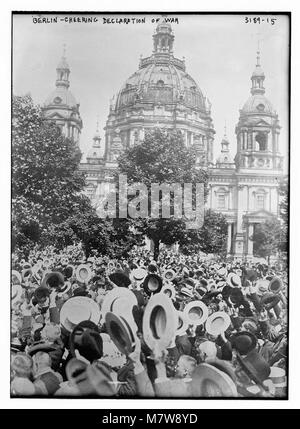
x=162 y=94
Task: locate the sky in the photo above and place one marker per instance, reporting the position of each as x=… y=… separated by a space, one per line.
x=219 y=51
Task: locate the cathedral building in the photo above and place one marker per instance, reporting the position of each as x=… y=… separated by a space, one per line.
x=162 y=94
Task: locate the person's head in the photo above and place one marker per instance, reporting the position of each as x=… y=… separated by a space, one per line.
x=41 y=360
x=185 y=366
x=207 y=350
x=21 y=365
x=51 y=332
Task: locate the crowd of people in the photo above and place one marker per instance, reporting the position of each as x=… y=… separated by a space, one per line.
x=181 y=326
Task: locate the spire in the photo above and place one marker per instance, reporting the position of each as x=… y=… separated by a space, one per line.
x=163 y=39
x=63 y=71
x=97 y=138
x=258 y=75
x=225 y=142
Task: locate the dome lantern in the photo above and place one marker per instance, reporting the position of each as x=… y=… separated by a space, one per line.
x=163 y=39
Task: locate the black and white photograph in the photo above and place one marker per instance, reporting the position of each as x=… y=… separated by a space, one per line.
x=150 y=205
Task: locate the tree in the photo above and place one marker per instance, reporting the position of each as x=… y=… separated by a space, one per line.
x=161 y=158
x=211 y=237
x=48 y=205
x=267 y=238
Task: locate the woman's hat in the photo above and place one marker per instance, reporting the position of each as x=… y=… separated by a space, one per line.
x=122 y=332
x=210 y=382
x=217 y=323
x=78 y=309
x=160 y=321
x=243 y=342
x=83 y=273
x=152 y=284
x=195 y=312
x=40 y=346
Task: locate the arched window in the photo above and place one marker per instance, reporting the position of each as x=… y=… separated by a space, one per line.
x=262 y=141
x=160 y=82
x=260 y=199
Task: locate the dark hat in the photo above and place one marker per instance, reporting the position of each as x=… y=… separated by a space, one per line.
x=236 y=296
x=243 y=342
x=86 y=338
x=226 y=291
x=270 y=300
x=275 y=285
x=68 y=271
x=251 y=275
x=255 y=366
x=55 y=279
x=121 y=331
x=120 y=279
x=152 y=284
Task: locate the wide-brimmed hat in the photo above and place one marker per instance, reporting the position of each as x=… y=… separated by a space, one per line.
x=255 y=366
x=223 y=365
x=16 y=277
x=122 y=332
x=54 y=280
x=217 y=323
x=152 y=284
x=195 y=312
x=160 y=321
x=234 y=280
x=78 y=309
x=243 y=342
x=119 y=301
x=262 y=286
x=209 y=381
x=83 y=273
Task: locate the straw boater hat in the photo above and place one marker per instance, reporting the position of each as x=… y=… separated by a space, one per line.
x=152 y=284
x=67 y=287
x=217 y=323
x=182 y=323
x=187 y=292
x=83 y=273
x=169 y=274
x=76 y=310
x=234 y=280
x=160 y=321
x=195 y=313
x=209 y=381
x=119 y=301
x=169 y=290
x=122 y=332
x=139 y=274
x=222 y=272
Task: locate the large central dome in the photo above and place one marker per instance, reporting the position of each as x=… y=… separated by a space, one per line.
x=161 y=77
x=160 y=94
